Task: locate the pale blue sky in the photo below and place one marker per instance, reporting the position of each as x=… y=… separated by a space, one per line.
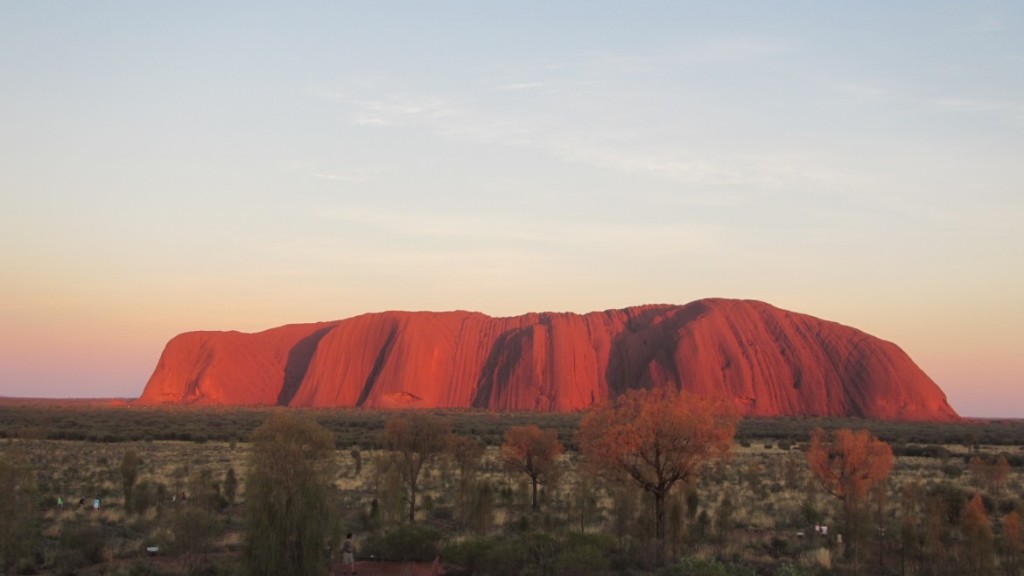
x=166 y=167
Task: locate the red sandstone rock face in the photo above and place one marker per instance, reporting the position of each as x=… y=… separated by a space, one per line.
x=767 y=361
x=232 y=368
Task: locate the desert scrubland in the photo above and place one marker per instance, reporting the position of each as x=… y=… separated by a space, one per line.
x=172 y=494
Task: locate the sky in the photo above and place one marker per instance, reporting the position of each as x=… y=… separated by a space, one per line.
x=177 y=166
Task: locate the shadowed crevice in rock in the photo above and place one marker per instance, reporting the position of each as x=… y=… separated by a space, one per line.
x=498 y=367
x=297 y=365
x=378 y=365
x=648 y=339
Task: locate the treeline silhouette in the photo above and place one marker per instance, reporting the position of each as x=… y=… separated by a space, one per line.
x=363 y=427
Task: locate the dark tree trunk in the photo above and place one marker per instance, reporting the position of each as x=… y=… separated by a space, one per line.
x=659 y=526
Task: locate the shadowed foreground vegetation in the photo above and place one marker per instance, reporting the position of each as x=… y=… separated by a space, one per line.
x=175 y=481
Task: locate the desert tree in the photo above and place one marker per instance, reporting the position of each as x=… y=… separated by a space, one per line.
x=389 y=503
x=480 y=516
x=978 y=469
x=626 y=502
x=205 y=491
x=357 y=460
x=989 y=473
x=416 y=438
x=911 y=497
x=793 y=474
x=1012 y=543
x=230 y=485
x=1000 y=471
x=584 y=500
x=287 y=497
x=848 y=465
x=725 y=514
x=977 y=534
x=936 y=542
x=130 y=466
x=19 y=532
x=655 y=439
x=466 y=452
x=195 y=531
x=534 y=452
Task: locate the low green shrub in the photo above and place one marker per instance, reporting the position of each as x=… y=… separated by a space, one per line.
x=585 y=554
x=693 y=566
x=81 y=544
x=469 y=554
x=406 y=543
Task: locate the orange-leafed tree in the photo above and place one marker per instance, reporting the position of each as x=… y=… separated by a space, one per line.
x=534 y=452
x=849 y=464
x=1001 y=469
x=977 y=532
x=656 y=438
x=990 y=473
x=1012 y=543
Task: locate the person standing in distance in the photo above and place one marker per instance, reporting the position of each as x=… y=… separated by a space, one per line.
x=348 y=556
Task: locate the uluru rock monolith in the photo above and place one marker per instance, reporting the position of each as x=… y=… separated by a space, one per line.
x=764 y=360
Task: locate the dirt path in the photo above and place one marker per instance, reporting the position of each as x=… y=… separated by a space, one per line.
x=391 y=569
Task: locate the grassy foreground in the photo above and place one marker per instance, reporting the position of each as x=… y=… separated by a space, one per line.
x=754 y=513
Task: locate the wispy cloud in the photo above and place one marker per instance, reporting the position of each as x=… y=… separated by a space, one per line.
x=339 y=177
x=1008 y=108
x=585 y=113
x=314 y=169
x=487 y=231
x=864 y=91
x=550 y=133
x=396 y=109
x=516 y=87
